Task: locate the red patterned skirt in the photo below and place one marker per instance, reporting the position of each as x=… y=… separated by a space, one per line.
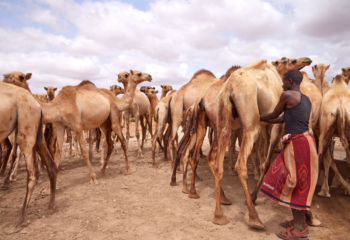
x=292 y=177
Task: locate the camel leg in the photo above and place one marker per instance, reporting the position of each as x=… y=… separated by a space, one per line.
x=13 y=160
x=166 y=141
x=127 y=123
x=264 y=166
x=106 y=129
x=157 y=136
x=327 y=127
x=98 y=139
x=185 y=160
x=231 y=150
x=118 y=130
x=90 y=144
x=6 y=151
x=84 y=153
x=249 y=136
x=13 y=174
x=60 y=138
x=143 y=130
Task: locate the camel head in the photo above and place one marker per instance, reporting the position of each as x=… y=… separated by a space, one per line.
x=340 y=78
x=116 y=90
x=319 y=70
x=144 y=89
x=50 y=92
x=166 y=88
x=284 y=64
x=151 y=92
x=346 y=73
x=139 y=77
x=123 y=77
x=18 y=78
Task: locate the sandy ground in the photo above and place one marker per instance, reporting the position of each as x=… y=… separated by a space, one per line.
x=142 y=205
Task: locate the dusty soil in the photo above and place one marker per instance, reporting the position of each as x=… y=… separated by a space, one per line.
x=142 y=205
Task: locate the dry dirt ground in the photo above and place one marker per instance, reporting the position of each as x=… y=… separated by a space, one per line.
x=142 y=205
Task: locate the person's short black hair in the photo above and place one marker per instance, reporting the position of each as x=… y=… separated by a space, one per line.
x=294 y=75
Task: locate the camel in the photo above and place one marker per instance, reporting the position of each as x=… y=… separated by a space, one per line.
x=116 y=90
x=185 y=97
x=19 y=79
x=85 y=107
x=201 y=115
x=140 y=109
x=165 y=90
x=319 y=71
x=335 y=121
x=308 y=88
x=20 y=112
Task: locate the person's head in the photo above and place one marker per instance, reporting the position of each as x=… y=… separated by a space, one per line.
x=292 y=79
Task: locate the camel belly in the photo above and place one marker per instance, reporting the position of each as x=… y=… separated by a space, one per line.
x=94 y=109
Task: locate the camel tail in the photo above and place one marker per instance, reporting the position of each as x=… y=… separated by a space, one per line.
x=341 y=124
x=191 y=124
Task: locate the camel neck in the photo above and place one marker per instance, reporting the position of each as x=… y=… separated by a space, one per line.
x=128 y=96
x=164 y=92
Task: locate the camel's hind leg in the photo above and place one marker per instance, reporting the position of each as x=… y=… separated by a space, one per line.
x=143 y=130
x=108 y=142
x=249 y=136
x=118 y=130
x=327 y=127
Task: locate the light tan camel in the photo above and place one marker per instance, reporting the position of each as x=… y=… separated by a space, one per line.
x=199 y=117
x=165 y=90
x=19 y=79
x=334 y=121
x=308 y=88
x=140 y=109
x=116 y=90
x=20 y=112
x=85 y=107
x=319 y=71
x=185 y=97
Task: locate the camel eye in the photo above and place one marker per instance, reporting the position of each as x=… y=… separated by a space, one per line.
x=139 y=74
x=21 y=78
x=294 y=61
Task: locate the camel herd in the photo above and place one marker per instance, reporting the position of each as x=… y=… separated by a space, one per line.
x=225 y=109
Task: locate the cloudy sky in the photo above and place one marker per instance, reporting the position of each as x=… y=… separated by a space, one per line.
x=64 y=41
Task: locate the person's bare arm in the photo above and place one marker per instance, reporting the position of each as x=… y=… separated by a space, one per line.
x=276 y=120
x=277 y=111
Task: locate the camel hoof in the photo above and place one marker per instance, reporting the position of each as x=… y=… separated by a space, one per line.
x=324 y=193
x=220 y=220
x=256 y=224
x=93 y=181
x=14 y=229
x=185 y=190
x=127 y=172
x=193 y=195
x=225 y=201
x=313 y=222
x=154 y=165
x=173 y=184
x=102 y=171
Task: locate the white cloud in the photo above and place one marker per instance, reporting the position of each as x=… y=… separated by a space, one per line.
x=63 y=42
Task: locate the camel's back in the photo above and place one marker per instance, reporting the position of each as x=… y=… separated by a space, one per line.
x=197 y=87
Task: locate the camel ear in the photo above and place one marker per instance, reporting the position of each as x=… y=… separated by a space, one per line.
x=7 y=75
x=161 y=86
x=55 y=89
x=343 y=69
x=328 y=66
x=315 y=66
x=131 y=71
x=45 y=88
x=156 y=91
x=28 y=76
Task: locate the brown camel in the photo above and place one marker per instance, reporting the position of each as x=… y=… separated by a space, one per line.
x=116 y=90
x=85 y=107
x=335 y=121
x=20 y=112
x=140 y=109
x=165 y=90
x=319 y=71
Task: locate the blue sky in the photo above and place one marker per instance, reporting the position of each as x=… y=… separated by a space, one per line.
x=63 y=42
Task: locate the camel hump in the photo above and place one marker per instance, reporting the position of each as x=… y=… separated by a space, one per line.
x=229 y=72
x=338 y=79
x=261 y=64
x=204 y=72
x=85 y=83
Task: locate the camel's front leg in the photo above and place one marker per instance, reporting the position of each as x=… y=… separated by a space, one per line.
x=84 y=152
x=276 y=132
x=248 y=139
x=107 y=144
